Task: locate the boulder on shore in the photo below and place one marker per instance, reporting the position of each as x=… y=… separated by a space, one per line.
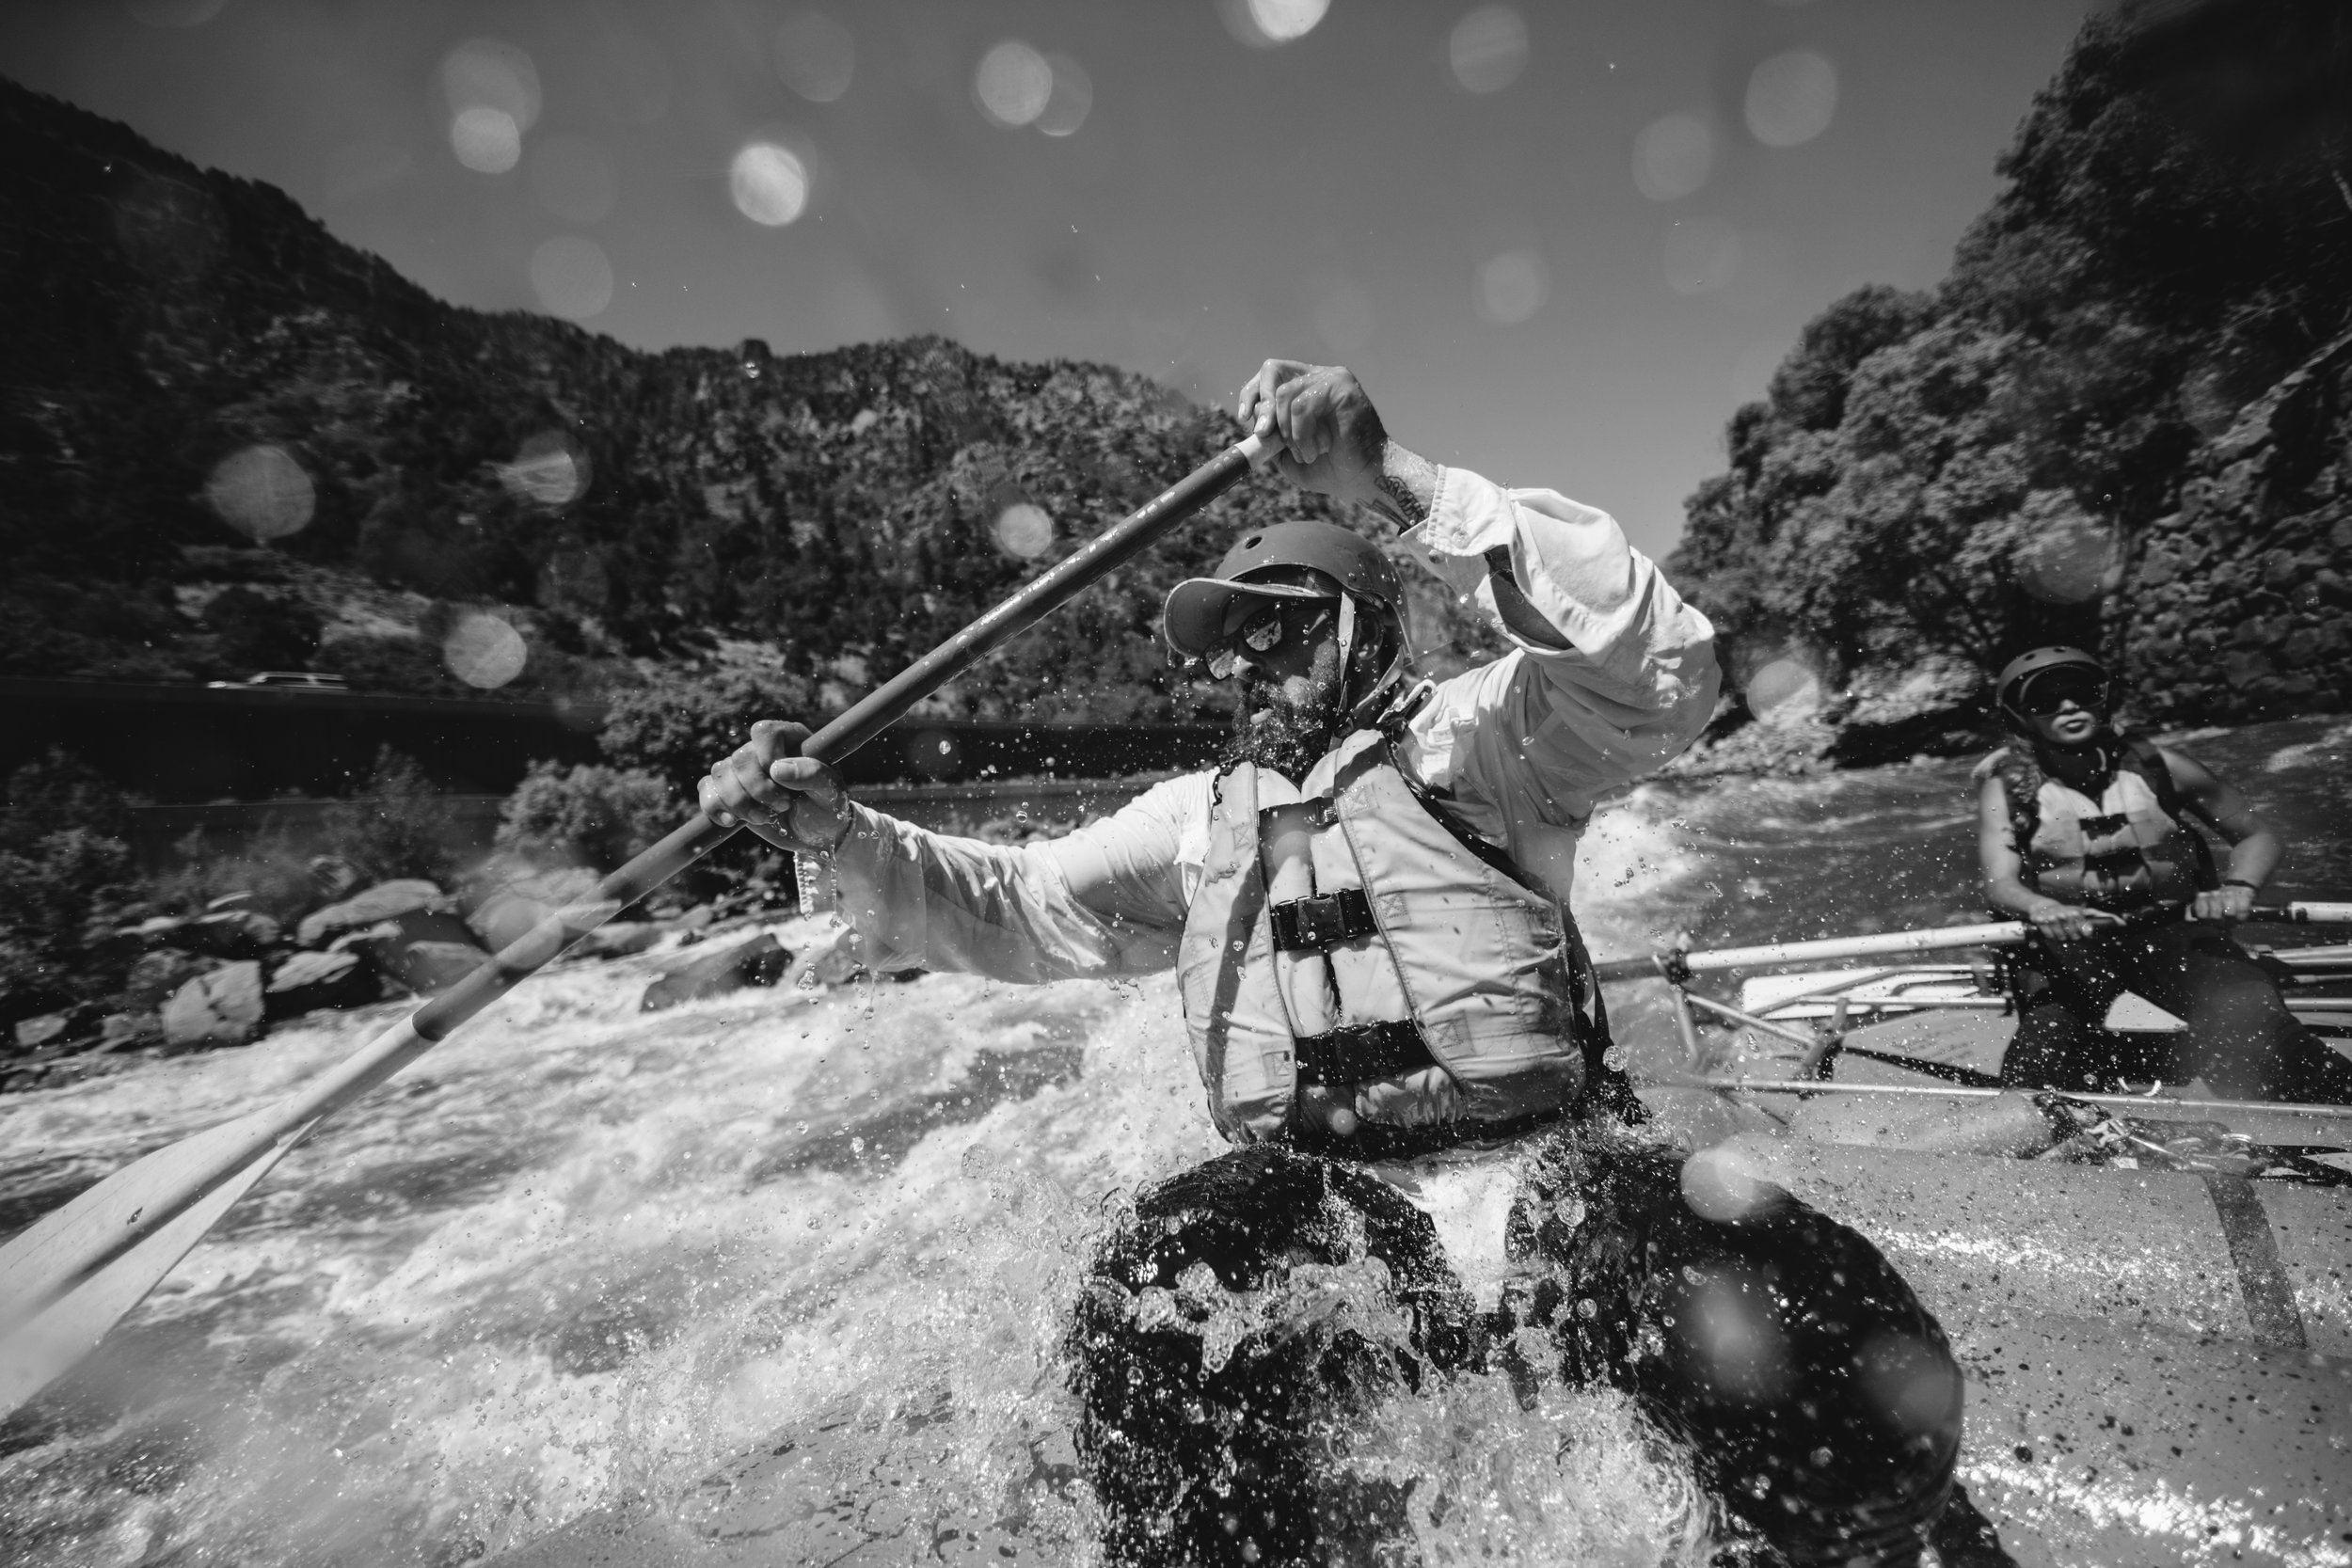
x=309 y=981
x=759 y=962
x=381 y=902
x=618 y=939
x=222 y=1006
x=228 y=934
x=433 y=967
x=157 y=977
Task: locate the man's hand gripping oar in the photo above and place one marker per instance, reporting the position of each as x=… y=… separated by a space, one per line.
x=77 y=1270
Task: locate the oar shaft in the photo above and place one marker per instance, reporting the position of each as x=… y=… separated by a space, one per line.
x=67 y=1246
x=2007 y=933
x=1956 y=1091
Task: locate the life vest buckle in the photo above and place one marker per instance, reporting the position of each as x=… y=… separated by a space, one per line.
x=1363 y=1053
x=1325 y=921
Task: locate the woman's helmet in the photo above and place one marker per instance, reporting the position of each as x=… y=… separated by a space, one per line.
x=2038 y=675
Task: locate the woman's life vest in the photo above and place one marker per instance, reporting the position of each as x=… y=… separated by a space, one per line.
x=1345 y=935
x=2128 y=848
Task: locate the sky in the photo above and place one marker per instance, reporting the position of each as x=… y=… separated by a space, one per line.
x=1560 y=241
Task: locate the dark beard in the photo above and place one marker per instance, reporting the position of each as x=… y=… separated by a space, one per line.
x=1291 y=740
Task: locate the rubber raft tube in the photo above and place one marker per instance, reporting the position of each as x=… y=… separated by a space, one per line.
x=2158 y=1365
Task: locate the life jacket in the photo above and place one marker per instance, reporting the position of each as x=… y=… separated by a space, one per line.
x=1346 y=934
x=2129 y=849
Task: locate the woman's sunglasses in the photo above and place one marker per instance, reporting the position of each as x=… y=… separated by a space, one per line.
x=1262 y=633
x=2044 y=697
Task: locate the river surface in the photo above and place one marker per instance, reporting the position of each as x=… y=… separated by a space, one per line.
x=581 y=1254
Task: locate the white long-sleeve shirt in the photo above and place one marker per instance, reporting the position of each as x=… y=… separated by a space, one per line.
x=1524 y=747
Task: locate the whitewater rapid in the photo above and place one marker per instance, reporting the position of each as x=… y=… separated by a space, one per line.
x=581 y=1254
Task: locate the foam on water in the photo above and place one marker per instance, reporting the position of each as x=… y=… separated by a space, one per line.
x=581 y=1254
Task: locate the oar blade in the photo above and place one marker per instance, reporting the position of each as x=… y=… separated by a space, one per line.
x=35 y=1265
x=49 y=1344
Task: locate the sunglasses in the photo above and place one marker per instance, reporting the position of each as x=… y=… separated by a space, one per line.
x=2044 y=697
x=1262 y=633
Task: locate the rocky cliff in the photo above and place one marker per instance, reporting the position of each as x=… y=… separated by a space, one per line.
x=2241 y=600
x=2119 y=422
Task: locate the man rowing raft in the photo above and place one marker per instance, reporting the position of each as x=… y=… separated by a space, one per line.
x=1367 y=906
x=2084 y=831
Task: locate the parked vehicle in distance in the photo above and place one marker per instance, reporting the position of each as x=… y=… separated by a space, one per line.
x=300 y=680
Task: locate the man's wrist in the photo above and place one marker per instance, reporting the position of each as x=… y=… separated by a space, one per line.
x=1404 y=489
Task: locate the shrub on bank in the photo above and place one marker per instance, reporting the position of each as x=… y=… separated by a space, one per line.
x=398 y=828
x=64 y=871
x=586 y=815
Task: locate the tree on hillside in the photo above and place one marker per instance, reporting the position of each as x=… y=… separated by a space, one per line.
x=1966 y=472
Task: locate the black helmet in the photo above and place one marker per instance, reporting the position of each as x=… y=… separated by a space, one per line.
x=1194 y=619
x=2008 y=689
x=1269 y=564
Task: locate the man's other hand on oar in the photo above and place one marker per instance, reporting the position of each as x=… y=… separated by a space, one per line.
x=794 y=803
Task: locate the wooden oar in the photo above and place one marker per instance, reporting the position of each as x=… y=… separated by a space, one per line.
x=72 y=1276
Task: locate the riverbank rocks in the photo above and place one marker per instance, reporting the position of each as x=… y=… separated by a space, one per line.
x=157 y=977
x=381 y=902
x=228 y=934
x=430 y=968
x=222 y=1006
x=309 y=981
x=618 y=939
x=760 y=961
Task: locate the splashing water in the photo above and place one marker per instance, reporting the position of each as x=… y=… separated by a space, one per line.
x=581 y=1254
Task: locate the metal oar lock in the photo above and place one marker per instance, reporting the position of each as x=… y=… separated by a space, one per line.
x=76 y=1271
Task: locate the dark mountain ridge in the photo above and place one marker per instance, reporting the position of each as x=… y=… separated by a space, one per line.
x=190 y=351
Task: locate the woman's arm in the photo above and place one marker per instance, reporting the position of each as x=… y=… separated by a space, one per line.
x=1998 y=862
x=2255 y=849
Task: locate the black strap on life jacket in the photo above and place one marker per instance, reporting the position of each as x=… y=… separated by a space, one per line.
x=1362 y=1052
x=1323 y=922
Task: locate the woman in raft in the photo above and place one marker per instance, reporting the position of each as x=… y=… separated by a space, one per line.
x=2083 y=829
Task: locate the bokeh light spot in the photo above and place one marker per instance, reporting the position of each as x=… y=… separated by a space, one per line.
x=2067 y=557
x=1747 y=1354
x=1724 y=1184
x=571 y=277
x=572 y=179
x=1673 y=156
x=1072 y=97
x=1702 y=255
x=816 y=57
x=1512 y=286
x=1791 y=98
x=1013 y=83
x=484 y=650
x=485 y=73
x=1344 y=318
x=1784 y=690
x=550 y=471
x=261 y=492
x=1269 y=23
x=1488 y=49
x=770 y=184
x=1285 y=20
x=1023 y=530
x=486 y=140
